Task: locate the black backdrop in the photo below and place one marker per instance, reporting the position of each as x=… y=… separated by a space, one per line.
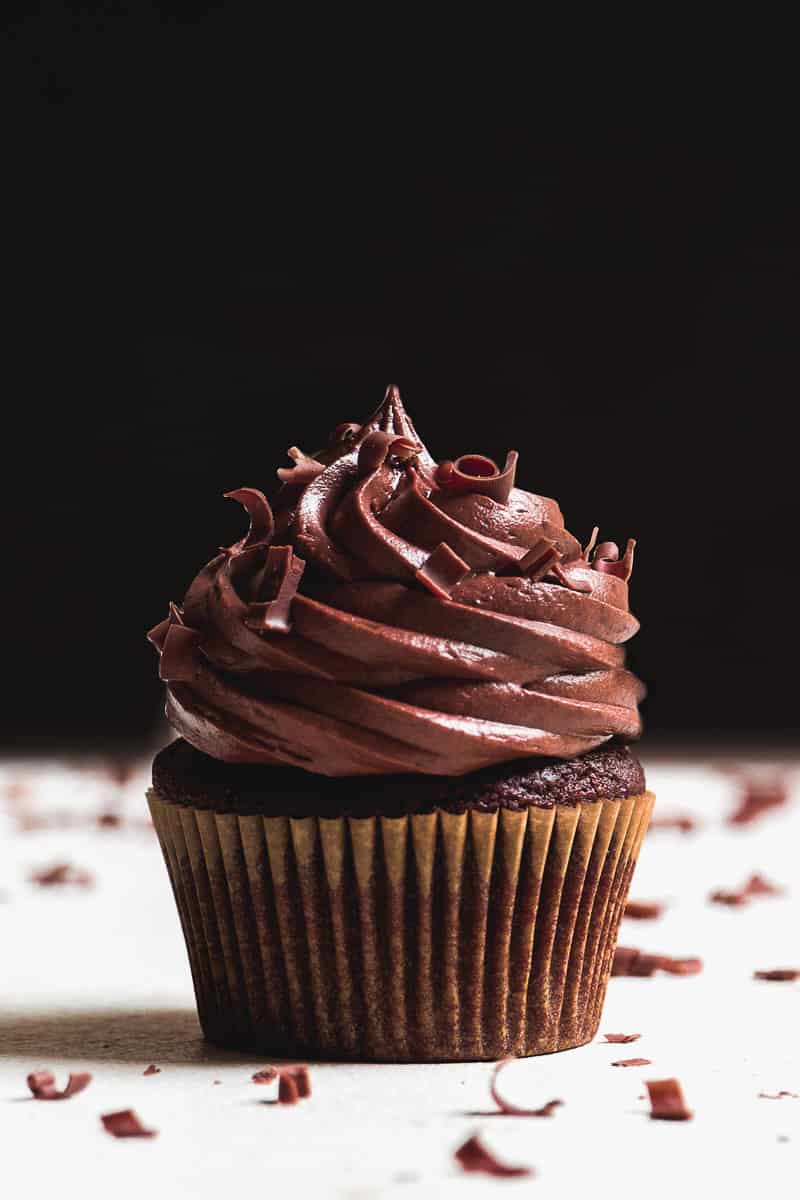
x=618 y=303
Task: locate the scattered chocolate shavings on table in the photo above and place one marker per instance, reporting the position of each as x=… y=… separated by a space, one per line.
x=473 y=1156
x=632 y=1062
x=756 y=885
x=294 y=1081
x=681 y=823
x=643 y=910
x=666 y=1100
x=43 y=1085
x=266 y=1075
x=779 y=974
x=61 y=875
x=514 y=1110
x=629 y=961
x=125 y=1124
x=109 y=820
x=621 y=1037
x=782 y=1095
x=757 y=795
x=152 y=1070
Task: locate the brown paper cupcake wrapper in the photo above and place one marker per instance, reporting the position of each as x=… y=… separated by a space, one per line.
x=427 y=937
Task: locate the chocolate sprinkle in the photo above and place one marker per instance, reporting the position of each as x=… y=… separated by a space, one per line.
x=473 y=1156
x=125 y=1124
x=43 y=1085
x=514 y=1110
x=442 y=571
x=666 y=1100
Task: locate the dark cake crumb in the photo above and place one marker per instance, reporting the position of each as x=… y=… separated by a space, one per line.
x=184 y=775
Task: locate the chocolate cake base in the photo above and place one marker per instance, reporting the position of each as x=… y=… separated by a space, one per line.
x=406 y=919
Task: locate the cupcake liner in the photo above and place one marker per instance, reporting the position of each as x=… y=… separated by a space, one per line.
x=428 y=937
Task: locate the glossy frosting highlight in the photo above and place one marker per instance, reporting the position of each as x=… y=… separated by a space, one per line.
x=388 y=614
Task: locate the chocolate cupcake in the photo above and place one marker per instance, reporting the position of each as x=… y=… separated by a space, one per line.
x=400 y=821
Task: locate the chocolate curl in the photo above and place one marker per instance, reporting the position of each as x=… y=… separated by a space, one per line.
x=539 y=559
x=442 y=571
x=590 y=544
x=758 y=796
x=666 y=1100
x=479 y=474
x=43 y=1085
x=473 y=1156
x=379 y=447
x=345 y=433
x=283 y=571
x=304 y=470
x=262 y=523
x=606 y=559
x=157 y=635
x=630 y=961
x=514 y=1110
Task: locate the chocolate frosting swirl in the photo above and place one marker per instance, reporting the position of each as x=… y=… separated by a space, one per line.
x=399 y=616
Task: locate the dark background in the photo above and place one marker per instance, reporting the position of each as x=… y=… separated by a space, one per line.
x=199 y=281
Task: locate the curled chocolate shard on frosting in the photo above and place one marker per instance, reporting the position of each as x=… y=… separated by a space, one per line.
x=401 y=616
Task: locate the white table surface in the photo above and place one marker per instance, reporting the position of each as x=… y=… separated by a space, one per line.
x=98 y=980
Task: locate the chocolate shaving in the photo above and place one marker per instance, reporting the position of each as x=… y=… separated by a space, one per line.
x=265 y=1075
x=304 y=470
x=442 y=571
x=294 y=1083
x=379 y=447
x=782 y=1095
x=629 y=961
x=282 y=573
x=539 y=559
x=666 y=1100
x=347 y=432
x=756 y=885
x=479 y=475
x=473 y=1156
x=262 y=523
x=622 y=1037
x=606 y=559
x=514 y=1110
x=643 y=910
x=61 y=875
x=757 y=796
x=109 y=820
x=125 y=1124
x=683 y=824
x=178 y=654
x=590 y=544
x=43 y=1085
x=632 y=1062
x=779 y=974
x=152 y=1070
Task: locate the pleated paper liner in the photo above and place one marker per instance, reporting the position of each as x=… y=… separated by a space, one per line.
x=429 y=937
